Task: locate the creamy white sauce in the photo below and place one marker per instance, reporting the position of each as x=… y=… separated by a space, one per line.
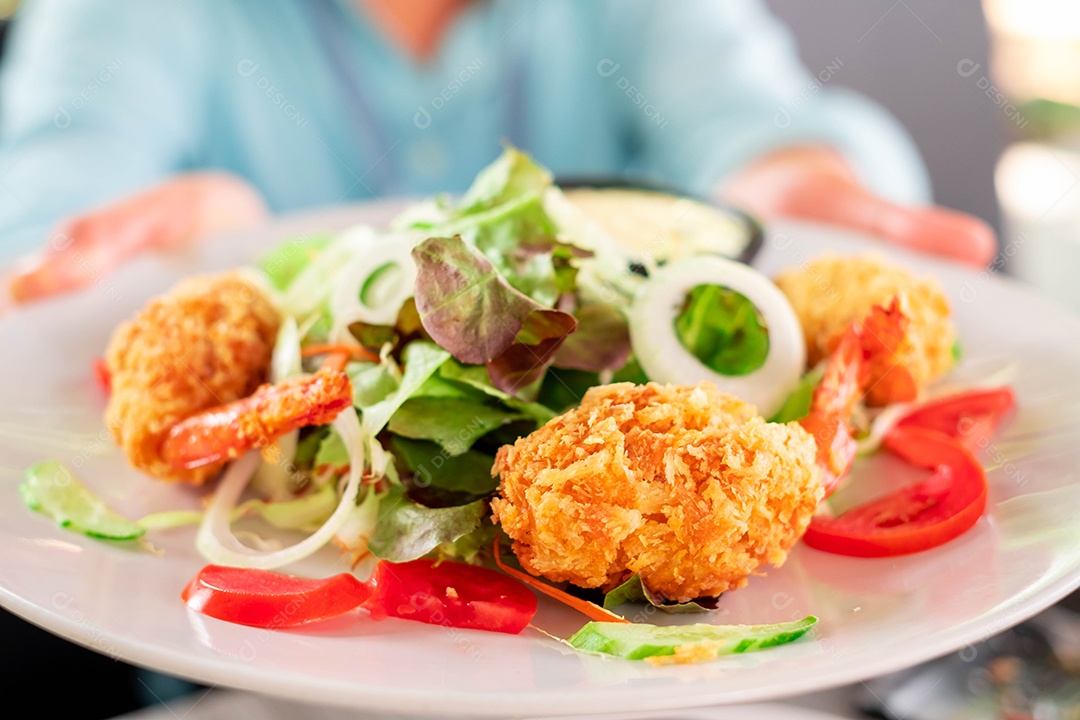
x=657 y=227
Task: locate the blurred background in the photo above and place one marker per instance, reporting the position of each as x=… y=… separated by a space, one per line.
x=990 y=92
x=95 y=685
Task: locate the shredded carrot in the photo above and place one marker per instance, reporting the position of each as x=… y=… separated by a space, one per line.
x=350 y=351
x=590 y=610
x=335 y=361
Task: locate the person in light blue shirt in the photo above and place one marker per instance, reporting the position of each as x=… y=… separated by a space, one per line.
x=128 y=123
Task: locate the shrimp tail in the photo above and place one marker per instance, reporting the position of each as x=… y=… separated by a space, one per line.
x=864 y=365
x=885 y=377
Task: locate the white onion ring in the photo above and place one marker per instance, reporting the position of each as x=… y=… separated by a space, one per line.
x=218 y=544
x=372 y=257
x=663 y=357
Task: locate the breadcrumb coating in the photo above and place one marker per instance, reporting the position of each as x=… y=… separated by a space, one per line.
x=831 y=293
x=684 y=485
x=207 y=341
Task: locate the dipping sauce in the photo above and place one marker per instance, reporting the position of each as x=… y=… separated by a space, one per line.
x=656 y=227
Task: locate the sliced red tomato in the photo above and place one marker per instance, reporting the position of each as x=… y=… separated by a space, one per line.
x=970 y=417
x=271 y=600
x=915 y=518
x=440 y=593
x=451 y=594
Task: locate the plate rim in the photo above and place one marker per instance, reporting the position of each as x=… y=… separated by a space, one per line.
x=502 y=704
x=533 y=702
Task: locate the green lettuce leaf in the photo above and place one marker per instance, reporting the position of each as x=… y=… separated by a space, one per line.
x=439 y=479
x=168 y=519
x=453 y=423
x=289 y=257
x=406 y=531
x=511 y=176
x=438 y=386
x=518 y=239
x=476 y=376
x=631 y=372
x=723 y=330
x=49 y=487
x=563 y=389
x=302 y=513
x=471 y=311
x=422 y=359
x=332 y=451
x=473 y=548
x=634 y=591
x=310 y=441
x=797 y=404
x=373 y=382
x=566 y=271
x=373 y=337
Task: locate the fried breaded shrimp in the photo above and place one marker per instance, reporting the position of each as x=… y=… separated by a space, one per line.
x=831 y=293
x=207 y=341
x=686 y=486
x=225 y=432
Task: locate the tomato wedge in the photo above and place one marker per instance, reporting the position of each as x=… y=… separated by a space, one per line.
x=970 y=417
x=915 y=518
x=271 y=600
x=451 y=594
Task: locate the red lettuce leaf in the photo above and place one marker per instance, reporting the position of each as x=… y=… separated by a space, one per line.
x=601 y=341
x=525 y=361
x=471 y=311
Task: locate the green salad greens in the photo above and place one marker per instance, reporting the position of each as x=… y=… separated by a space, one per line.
x=723 y=330
x=483 y=317
x=487 y=318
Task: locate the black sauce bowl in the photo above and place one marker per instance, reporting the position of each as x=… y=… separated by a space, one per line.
x=754 y=232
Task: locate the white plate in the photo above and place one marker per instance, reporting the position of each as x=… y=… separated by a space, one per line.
x=876 y=615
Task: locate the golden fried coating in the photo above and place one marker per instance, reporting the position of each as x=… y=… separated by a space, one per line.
x=207 y=341
x=832 y=292
x=686 y=486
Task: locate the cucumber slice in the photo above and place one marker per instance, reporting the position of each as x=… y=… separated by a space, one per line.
x=50 y=488
x=636 y=641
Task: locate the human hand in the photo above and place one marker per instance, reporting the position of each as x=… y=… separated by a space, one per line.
x=89 y=246
x=815 y=183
